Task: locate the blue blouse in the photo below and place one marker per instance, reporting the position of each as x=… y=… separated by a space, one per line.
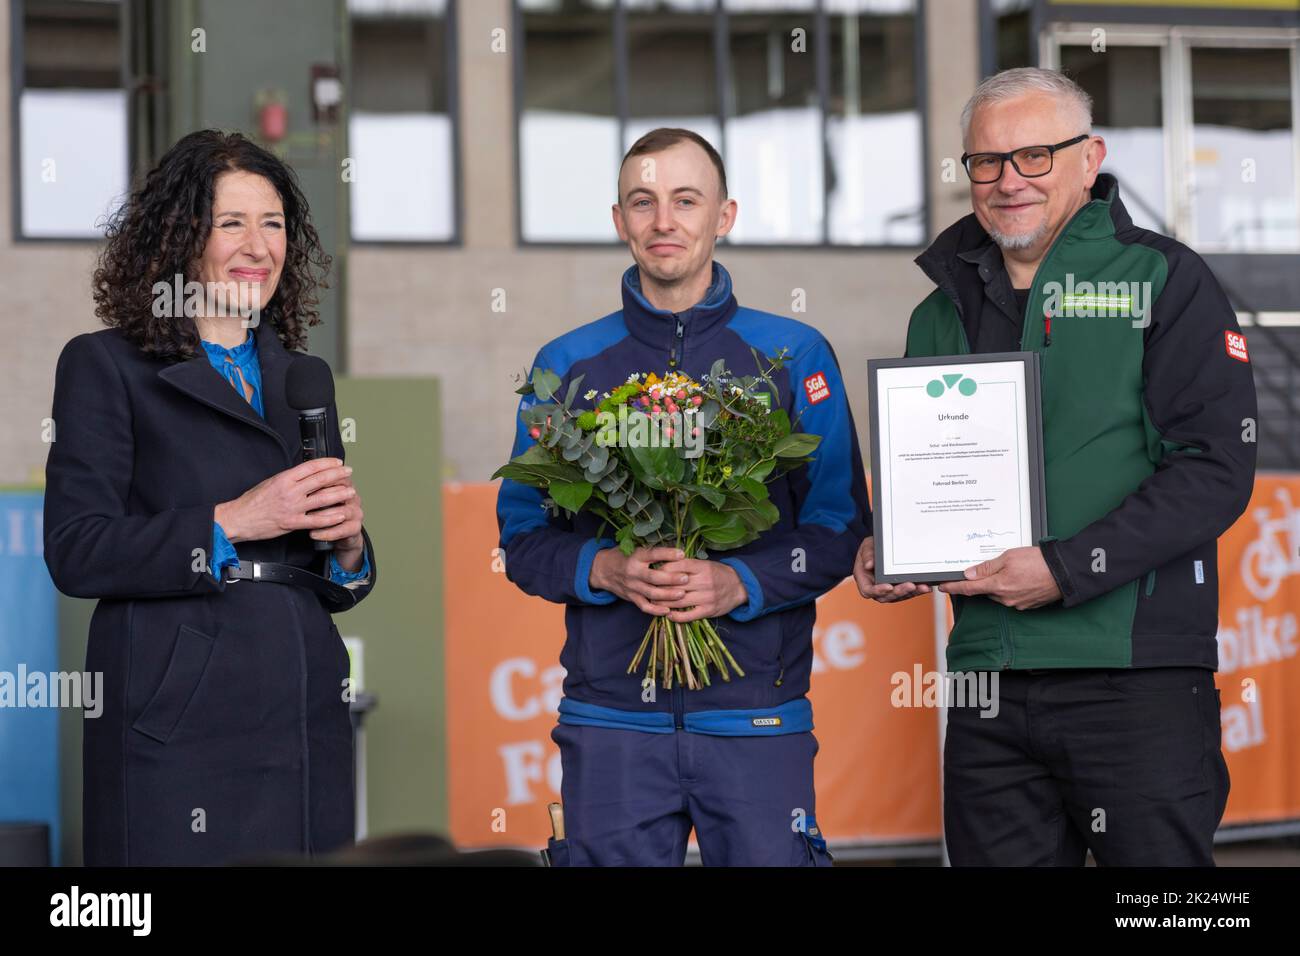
x=244 y=358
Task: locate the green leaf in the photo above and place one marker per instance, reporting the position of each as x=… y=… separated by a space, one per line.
x=727 y=537
x=764 y=468
x=656 y=466
x=706 y=515
x=537 y=468
x=740 y=507
x=626 y=539
x=753 y=488
x=571 y=495
x=796 y=445
x=710 y=494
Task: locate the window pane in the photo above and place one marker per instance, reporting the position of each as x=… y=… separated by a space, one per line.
x=773 y=123
x=1243 y=150
x=400 y=132
x=671 y=68
x=71 y=95
x=568 y=127
x=1124 y=83
x=874 y=123
x=1013 y=41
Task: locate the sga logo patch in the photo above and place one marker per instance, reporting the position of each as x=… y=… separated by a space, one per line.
x=1235 y=343
x=816 y=388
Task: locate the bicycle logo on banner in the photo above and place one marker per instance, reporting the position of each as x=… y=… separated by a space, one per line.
x=1275 y=554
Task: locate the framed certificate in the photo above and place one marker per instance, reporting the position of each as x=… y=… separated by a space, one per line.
x=956 y=462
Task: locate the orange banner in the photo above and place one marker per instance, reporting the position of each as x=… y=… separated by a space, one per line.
x=877 y=772
x=1259 y=671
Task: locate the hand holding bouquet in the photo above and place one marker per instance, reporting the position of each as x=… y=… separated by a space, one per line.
x=666 y=461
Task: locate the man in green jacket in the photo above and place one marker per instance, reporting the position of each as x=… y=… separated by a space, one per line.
x=1102 y=636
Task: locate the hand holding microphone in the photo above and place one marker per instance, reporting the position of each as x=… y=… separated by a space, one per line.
x=317 y=495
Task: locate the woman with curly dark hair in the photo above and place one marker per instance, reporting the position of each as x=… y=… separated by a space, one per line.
x=176 y=495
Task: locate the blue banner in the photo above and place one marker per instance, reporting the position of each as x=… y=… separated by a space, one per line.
x=29 y=656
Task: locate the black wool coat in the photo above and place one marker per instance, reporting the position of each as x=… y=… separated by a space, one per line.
x=225 y=730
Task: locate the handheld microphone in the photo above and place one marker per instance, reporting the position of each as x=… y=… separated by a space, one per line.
x=309 y=388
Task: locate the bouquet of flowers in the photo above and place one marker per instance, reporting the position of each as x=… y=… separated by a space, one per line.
x=666 y=461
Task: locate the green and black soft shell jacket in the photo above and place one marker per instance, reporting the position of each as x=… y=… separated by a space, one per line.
x=1148 y=441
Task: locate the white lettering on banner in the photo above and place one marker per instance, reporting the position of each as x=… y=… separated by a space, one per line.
x=1243 y=725
x=840 y=646
x=524 y=764
x=502 y=689
x=23 y=533
x=1256 y=639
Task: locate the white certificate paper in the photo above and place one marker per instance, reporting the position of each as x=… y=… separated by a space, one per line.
x=956 y=463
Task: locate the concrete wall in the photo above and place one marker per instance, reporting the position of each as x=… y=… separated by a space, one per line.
x=46 y=288
x=428 y=310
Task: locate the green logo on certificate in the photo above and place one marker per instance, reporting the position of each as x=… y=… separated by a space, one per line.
x=936 y=388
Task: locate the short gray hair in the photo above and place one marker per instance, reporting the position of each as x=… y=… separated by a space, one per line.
x=1024 y=80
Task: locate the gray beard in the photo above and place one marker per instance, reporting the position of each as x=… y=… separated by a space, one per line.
x=1021 y=241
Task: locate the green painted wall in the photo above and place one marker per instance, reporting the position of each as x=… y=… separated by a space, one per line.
x=398 y=466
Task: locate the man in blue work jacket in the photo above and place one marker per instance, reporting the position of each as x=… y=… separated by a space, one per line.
x=733 y=760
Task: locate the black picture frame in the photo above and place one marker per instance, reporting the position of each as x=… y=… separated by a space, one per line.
x=1034 y=438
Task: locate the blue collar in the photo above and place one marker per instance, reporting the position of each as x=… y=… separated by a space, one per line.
x=239 y=353
x=652 y=326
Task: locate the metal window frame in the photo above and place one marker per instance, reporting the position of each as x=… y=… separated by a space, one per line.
x=17 y=69
x=722 y=58
x=451 y=66
x=1176 y=43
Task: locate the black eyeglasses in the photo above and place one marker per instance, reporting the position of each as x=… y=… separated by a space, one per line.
x=1029 y=161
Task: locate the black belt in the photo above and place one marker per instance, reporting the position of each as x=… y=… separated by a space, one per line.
x=274 y=573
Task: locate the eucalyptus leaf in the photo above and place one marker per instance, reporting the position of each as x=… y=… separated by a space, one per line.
x=573 y=391
x=546 y=383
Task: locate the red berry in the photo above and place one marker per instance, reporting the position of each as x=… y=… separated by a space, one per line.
x=535 y=432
